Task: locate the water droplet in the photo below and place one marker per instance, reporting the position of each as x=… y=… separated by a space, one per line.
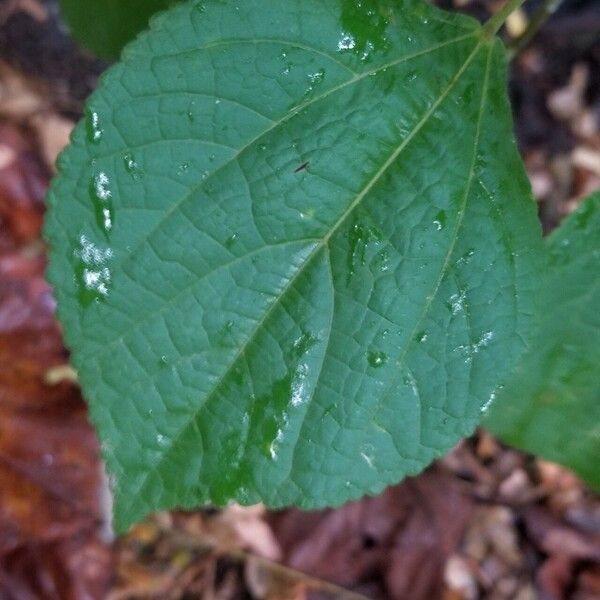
x=411 y=382
x=421 y=337
x=472 y=349
x=486 y=407
x=298 y=387
x=440 y=220
x=382 y=261
x=162 y=440
x=315 y=79
x=346 y=42
x=101 y=189
x=303 y=344
x=93 y=128
x=367 y=453
x=131 y=166
x=164 y=361
x=410 y=77
x=284 y=396
x=92 y=272
x=359 y=238
x=262 y=147
x=377 y=358
x=183 y=167
x=464 y=259
x=363 y=28
x=230 y=241
x=485 y=339
x=102 y=199
x=366 y=53
x=457 y=302
x=273 y=449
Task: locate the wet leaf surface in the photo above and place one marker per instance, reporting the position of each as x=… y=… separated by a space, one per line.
x=301 y=302
x=550 y=406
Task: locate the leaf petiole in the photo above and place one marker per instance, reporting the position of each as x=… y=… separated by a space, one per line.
x=545 y=10
x=491 y=27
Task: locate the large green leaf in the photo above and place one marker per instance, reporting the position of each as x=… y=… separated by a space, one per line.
x=105 y=26
x=294 y=249
x=552 y=405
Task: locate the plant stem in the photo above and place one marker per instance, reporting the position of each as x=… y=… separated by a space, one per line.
x=537 y=20
x=490 y=28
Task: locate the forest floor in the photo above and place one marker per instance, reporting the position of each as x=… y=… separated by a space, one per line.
x=484 y=522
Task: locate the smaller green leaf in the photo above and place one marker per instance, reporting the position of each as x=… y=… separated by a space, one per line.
x=105 y=26
x=552 y=405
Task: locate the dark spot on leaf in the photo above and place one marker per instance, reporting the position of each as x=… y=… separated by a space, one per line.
x=302 y=167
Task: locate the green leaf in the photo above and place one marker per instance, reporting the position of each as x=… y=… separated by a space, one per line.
x=551 y=406
x=105 y=26
x=294 y=250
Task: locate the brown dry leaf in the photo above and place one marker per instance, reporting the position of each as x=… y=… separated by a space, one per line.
x=31 y=7
x=567 y=103
x=267 y=584
x=492 y=531
x=550 y=533
x=49 y=472
x=459 y=579
x=589 y=581
x=587 y=158
x=555 y=576
x=53 y=134
x=239 y=527
x=23 y=181
x=405 y=535
x=19 y=98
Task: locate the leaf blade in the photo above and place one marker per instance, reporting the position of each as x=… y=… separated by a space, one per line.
x=106 y=26
x=279 y=406
x=550 y=406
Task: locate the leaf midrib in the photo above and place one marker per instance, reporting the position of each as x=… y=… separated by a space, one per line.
x=401 y=361
x=314 y=253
